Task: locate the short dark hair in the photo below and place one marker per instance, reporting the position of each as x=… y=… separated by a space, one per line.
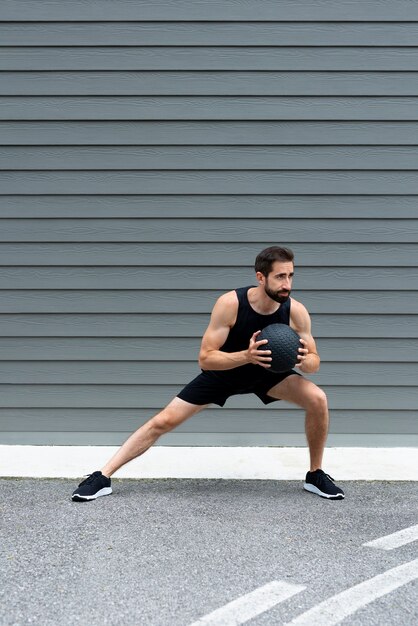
x=266 y=258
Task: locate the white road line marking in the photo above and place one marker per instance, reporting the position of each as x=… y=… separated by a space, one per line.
x=340 y=606
x=400 y=538
x=250 y=605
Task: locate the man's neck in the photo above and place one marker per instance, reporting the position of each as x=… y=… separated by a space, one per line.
x=261 y=302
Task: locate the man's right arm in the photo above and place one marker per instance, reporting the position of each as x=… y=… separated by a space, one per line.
x=222 y=319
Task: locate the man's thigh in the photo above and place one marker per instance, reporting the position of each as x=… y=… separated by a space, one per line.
x=295 y=389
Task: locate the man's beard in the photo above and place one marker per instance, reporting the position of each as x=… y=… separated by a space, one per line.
x=276 y=295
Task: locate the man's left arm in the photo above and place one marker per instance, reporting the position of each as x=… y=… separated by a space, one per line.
x=309 y=360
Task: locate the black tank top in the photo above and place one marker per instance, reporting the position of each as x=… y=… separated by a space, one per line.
x=247 y=322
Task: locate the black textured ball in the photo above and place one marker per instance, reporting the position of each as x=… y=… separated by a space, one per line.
x=284 y=344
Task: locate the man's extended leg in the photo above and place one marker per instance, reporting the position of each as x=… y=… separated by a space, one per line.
x=176 y=412
x=98 y=483
x=309 y=396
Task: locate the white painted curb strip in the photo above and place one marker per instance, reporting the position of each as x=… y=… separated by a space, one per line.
x=210 y=462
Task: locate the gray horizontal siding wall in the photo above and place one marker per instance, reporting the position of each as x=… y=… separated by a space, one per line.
x=148 y=151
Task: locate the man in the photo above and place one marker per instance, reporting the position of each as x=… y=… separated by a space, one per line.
x=232 y=363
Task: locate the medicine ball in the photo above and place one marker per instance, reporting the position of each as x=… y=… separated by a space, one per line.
x=284 y=345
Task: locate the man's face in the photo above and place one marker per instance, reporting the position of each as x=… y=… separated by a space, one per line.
x=278 y=283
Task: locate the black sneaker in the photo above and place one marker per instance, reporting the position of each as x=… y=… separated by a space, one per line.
x=322 y=484
x=94 y=486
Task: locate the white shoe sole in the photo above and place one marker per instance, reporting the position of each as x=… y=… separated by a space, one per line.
x=106 y=491
x=313 y=489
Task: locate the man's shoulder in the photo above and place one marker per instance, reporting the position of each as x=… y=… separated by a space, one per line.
x=225 y=308
x=297 y=309
x=234 y=296
x=228 y=298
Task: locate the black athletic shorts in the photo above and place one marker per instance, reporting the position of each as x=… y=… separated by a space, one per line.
x=211 y=388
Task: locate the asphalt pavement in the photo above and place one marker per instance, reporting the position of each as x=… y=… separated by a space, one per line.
x=172 y=552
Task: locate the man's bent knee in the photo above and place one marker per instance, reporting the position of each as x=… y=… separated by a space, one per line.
x=317 y=400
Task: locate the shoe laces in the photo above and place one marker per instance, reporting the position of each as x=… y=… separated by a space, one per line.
x=90 y=478
x=323 y=475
